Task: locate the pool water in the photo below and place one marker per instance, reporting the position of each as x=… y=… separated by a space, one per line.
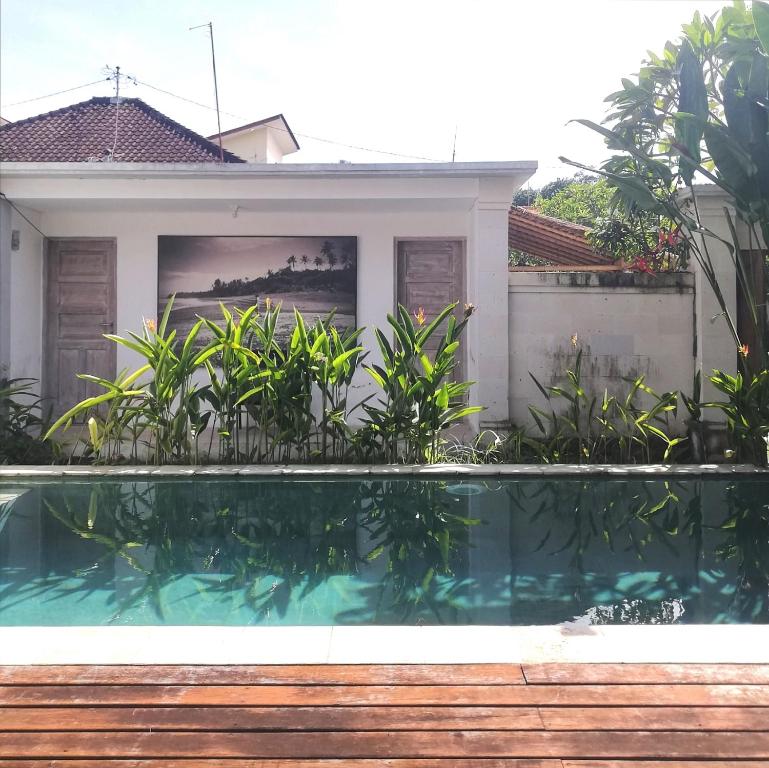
x=363 y=551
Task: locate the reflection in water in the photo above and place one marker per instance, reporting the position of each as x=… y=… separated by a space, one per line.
x=385 y=551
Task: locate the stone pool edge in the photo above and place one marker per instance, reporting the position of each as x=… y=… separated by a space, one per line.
x=703 y=644
x=353 y=470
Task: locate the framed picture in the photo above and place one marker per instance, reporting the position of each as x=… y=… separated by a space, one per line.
x=317 y=275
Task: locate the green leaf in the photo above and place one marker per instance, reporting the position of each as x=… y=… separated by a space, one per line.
x=166 y=314
x=760 y=12
x=692 y=100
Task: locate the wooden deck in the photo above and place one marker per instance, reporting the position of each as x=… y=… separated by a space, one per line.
x=437 y=716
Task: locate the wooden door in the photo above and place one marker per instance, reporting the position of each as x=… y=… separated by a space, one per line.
x=430 y=275
x=79 y=309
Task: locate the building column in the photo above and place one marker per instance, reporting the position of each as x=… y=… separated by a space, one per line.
x=489 y=362
x=715 y=345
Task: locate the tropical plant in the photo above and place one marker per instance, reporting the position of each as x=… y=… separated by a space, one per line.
x=606 y=429
x=256 y=394
x=747 y=413
x=420 y=399
x=23 y=420
x=699 y=110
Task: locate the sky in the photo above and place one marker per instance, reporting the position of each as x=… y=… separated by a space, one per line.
x=403 y=78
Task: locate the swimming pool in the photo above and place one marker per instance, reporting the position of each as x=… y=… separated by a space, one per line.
x=370 y=550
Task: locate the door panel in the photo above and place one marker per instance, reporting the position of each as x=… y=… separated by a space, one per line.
x=431 y=276
x=79 y=309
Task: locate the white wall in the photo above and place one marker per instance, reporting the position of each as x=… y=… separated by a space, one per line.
x=626 y=324
x=21 y=293
x=137 y=250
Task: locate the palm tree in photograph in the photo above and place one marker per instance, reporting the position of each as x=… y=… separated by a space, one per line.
x=317 y=261
x=304 y=260
x=327 y=253
x=291 y=261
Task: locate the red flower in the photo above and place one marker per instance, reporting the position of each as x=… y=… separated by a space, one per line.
x=640 y=264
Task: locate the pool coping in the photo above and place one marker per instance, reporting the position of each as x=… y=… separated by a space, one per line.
x=352 y=470
x=214 y=645
x=572 y=643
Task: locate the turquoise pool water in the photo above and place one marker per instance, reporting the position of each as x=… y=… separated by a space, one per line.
x=368 y=550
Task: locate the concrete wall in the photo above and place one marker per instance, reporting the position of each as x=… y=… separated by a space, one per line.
x=627 y=324
x=21 y=292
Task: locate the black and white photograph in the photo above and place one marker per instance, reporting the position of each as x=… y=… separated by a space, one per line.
x=317 y=275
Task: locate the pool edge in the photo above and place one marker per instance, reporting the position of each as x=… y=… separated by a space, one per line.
x=725 y=644
x=356 y=470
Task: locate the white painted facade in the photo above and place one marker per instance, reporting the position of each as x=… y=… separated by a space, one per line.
x=378 y=204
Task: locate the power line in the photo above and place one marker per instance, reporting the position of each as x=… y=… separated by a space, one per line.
x=296 y=133
x=312 y=137
x=57 y=93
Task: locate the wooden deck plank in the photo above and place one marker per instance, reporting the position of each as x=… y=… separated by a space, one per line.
x=628 y=674
x=376 y=695
x=444 y=744
x=658 y=764
x=275 y=718
x=345 y=763
x=655 y=718
x=292 y=674
x=384 y=718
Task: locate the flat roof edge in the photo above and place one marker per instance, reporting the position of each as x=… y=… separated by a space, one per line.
x=265 y=170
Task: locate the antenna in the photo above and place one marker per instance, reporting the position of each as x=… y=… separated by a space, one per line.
x=115 y=74
x=216 y=86
x=454 y=149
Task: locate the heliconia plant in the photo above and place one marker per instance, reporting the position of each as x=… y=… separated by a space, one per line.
x=258 y=399
x=420 y=399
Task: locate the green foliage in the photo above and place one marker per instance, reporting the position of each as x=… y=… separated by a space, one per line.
x=420 y=399
x=606 y=429
x=256 y=397
x=22 y=420
x=700 y=110
x=747 y=412
x=581 y=202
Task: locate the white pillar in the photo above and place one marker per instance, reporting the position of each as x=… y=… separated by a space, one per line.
x=716 y=348
x=489 y=362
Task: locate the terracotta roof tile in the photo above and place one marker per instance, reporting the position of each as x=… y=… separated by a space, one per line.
x=560 y=242
x=86 y=131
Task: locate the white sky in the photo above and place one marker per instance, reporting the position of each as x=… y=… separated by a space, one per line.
x=396 y=76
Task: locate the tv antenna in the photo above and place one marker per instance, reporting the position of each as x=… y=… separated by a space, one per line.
x=454 y=148
x=114 y=73
x=216 y=86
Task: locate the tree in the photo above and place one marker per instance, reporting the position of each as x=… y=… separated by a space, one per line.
x=291 y=261
x=327 y=252
x=700 y=111
x=581 y=201
x=317 y=261
x=304 y=260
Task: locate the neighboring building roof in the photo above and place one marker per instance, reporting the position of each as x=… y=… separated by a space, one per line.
x=3 y=121
x=560 y=242
x=86 y=132
x=276 y=121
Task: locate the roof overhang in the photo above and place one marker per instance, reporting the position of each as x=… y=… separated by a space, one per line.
x=518 y=168
x=265 y=187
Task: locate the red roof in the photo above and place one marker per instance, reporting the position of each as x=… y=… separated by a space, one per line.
x=560 y=242
x=86 y=131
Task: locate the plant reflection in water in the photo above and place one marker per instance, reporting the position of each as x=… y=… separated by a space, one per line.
x=403 y=550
